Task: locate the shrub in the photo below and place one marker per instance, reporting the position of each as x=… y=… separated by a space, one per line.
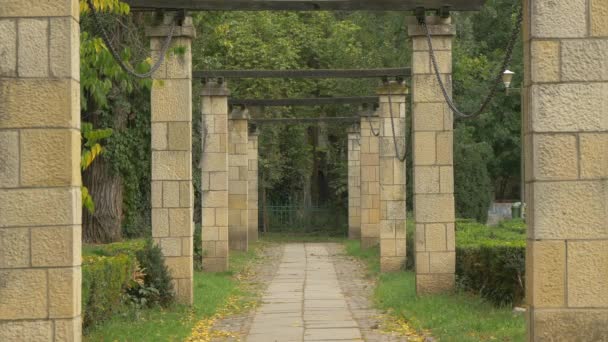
x=156 y=274
x=490 y=261
x=104 y=279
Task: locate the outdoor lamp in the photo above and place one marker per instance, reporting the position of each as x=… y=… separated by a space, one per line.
x=507 y=77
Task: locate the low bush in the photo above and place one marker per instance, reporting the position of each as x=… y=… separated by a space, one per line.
x=157 y=287
x=104 y=280
x=490 y=261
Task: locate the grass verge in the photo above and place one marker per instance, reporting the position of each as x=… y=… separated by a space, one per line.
x=459 y=317
x=211 y=292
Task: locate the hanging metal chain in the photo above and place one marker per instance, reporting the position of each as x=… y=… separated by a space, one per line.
x=116 y=55
x=371 y=126
x=390 y=105
x=497 y=80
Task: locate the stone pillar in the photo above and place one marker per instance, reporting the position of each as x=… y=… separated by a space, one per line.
x=566 y=149
x=252 y=196
x=40 y=203
x=238 y=173
x=370 y=179
x=172 y=199
x=354 y=182
x=433 y=160
x=214 y=168
x=392 y=177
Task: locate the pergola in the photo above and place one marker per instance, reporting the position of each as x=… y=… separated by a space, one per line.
x=565 y=127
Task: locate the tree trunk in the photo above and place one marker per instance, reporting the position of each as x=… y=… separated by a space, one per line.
x=105 y=225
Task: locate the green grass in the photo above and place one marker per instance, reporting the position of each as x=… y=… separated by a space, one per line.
x=459 y=317
x=175 y=323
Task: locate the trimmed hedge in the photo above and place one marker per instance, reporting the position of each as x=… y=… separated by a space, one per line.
x=104 y=279
x=490 y=261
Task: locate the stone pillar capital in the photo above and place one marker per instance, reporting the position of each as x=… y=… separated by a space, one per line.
x=254 y=130
x=354 y=128
x=185 y=29
x=392 y=88
x=239 y=113
x=437 y=27
x=214 y=88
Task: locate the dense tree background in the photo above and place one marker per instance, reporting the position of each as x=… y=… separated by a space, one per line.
x=303 y=164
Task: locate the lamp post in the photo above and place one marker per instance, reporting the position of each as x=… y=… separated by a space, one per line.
x=507 y=78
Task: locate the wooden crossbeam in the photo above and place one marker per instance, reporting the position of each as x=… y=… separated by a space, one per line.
x=304 y=101
x=306 y=5
x=308 y=73
x=295 y=121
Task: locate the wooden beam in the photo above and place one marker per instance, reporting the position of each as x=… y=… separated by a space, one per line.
x=309 y=73
x=304 y=102
x=295 y=121
x=306 y=5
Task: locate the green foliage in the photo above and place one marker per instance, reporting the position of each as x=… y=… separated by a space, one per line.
x=157 y=274
x=472 y=183
x=91 y=149
x=128 y=247
x=460 y=317
x=491 y=261
x=104 y=279
x=198 y=247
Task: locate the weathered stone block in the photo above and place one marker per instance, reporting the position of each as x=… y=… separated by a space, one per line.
x=422 y=262
x=56 y=166
x=425 y=88
x=238 y=187
x=171 y=165
x=180 y=136
x=159 y=136
x=14 y=247
x=599 y=13
x=562 y=19
x=187 y=246
x=56 y=246
x=445 y=148
x=215 y=199
x=180 y=267
x=428 y=116
x=8 y=48
x=435 y=237
x=23 y=294
x=594 y=155
x=434 y=208
x=588 y=273
x=442 y=262
x=68 y=330
x=214 y=162
x=387 y=247
x=185 y=194
x=64 y=48
x=27 y=330
x=555 y=157
x=171 y=246
x=35 y=8
x=180 y=222
x=424 y=148
x=439 y=43
x=215 y=264
x=392 y=263
x=421 y=62
x=171 y=100
x=39 y=103
x=170 y=194
x=569 y=325
x=160 y=222
x=9 y=159
x=569 y=210
x=570 y=107
x=33 y=48
x=64 y=292
x=40 y=207
x=585 y=60
x=426 y=179
x=184 y=291
x=546 y=270
x=219 y=181
x=446 y=180
x=545 y=61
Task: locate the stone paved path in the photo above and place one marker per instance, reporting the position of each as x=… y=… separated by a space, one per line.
x=304 y=301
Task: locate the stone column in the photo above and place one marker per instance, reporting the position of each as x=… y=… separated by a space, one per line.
x=238 y=173
x=252 y=196
x=392 y=177
x=354 y=182
x=566 y=149
x=370 y=179
x=214 y=169
x=40 y=203
x=433 y=160
x=172 y=200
